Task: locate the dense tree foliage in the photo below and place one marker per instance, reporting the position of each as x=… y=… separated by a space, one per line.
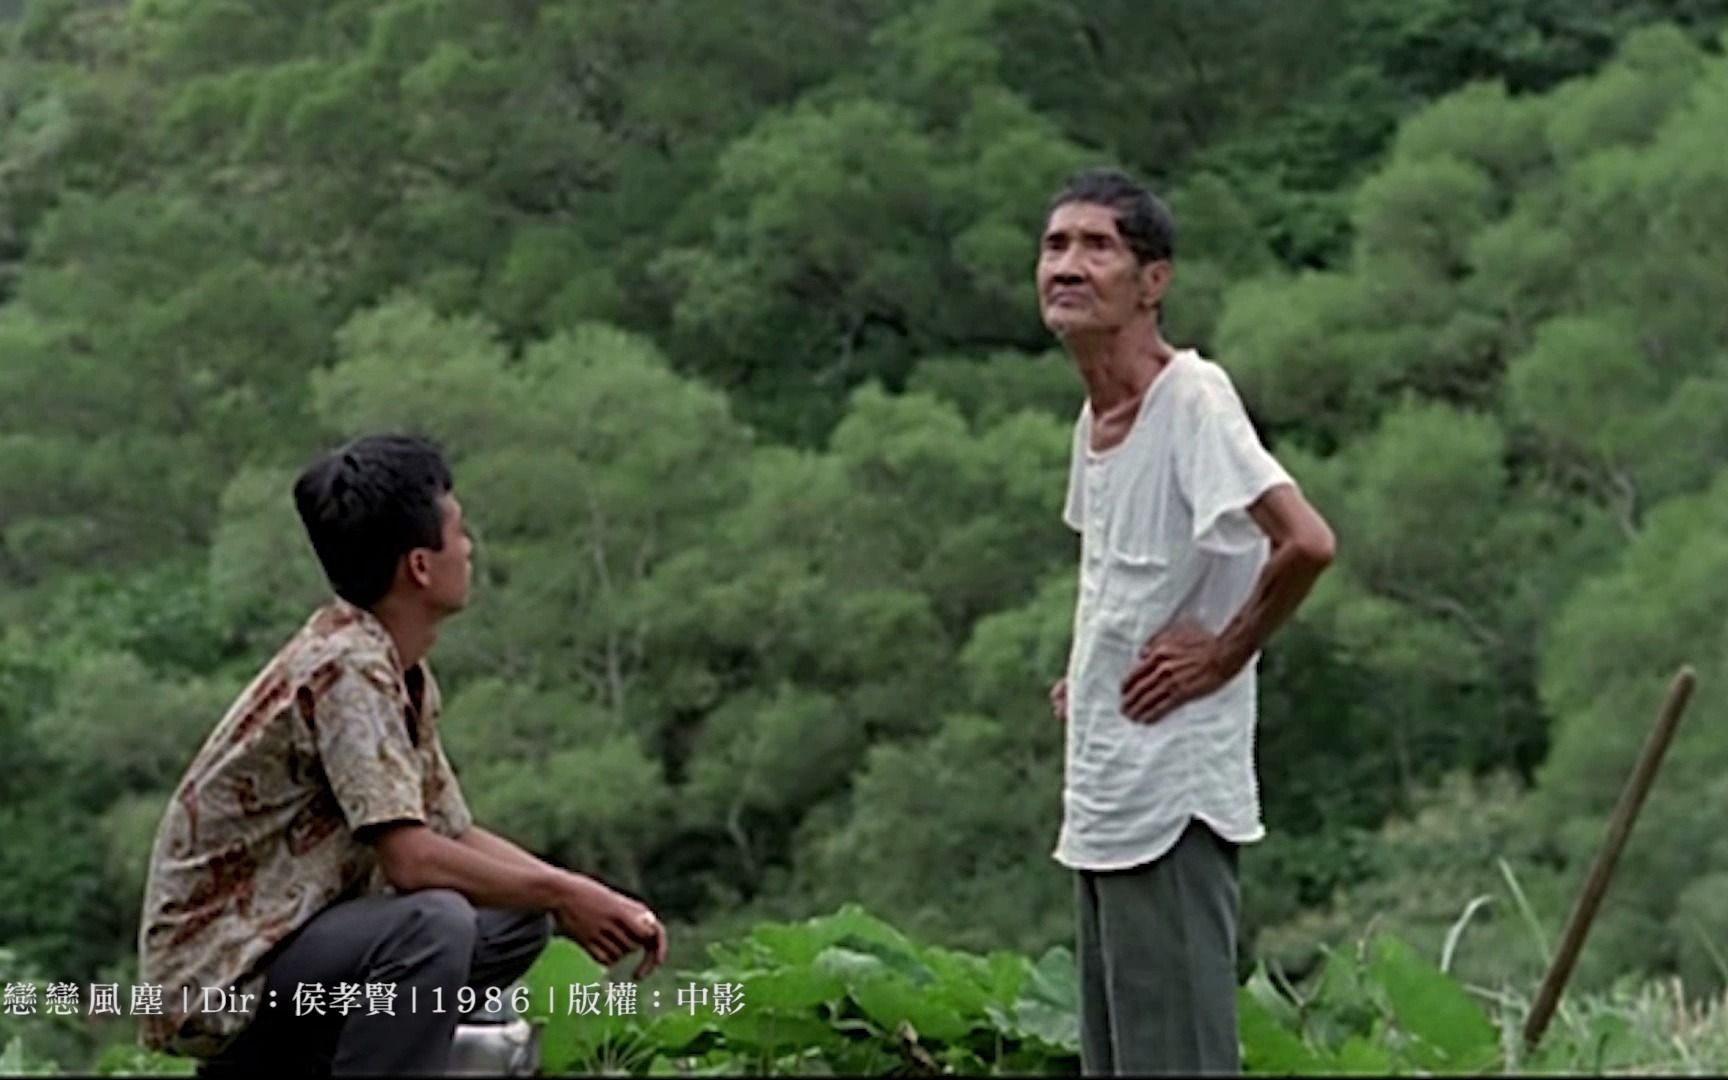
x=724 y=312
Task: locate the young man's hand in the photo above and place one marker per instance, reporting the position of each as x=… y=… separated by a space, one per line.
x=1059 y=699
x=610 y=925
x=1180 y=664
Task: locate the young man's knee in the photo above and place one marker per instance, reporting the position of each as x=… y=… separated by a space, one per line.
x=541 y=931
x=510 y=942
x=445 y=918
x=534 y=934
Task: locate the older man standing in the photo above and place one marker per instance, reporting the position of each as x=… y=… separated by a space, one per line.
x=1196 y=545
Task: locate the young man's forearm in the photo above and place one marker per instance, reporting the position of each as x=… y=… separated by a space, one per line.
x=415 y=857
x=490 y=843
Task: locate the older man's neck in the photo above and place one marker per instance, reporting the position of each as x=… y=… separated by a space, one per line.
x=1118 y=367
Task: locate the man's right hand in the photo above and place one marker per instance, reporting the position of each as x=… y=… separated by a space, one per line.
x=492 y=872
x=610 y=925
x=1059 y=699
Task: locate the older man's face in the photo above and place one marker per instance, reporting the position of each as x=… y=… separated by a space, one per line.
x=1088 y=279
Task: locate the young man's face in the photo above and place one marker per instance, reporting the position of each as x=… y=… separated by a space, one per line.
x=447 y=573
x=1088 y=279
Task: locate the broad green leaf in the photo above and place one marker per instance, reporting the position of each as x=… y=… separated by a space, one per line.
x=1359 y=1055
x=797 y=944
x=769 y=1031
x=1049 y=1005
x=565 y=1039
x=1269 y=997
x=792 y=988
x=1433 y=1007
x=1055 y=979
x=849 y=966
x=561 y=965
x=1267 y=1046
x=674 y=1030
x=853 y=921
x=891 y=1001
x=904 y=960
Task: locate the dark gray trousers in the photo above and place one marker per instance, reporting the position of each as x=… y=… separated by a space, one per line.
x=428 y=944
x=1157 y=955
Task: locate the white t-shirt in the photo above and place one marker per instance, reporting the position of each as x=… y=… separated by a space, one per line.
x=1165 y=535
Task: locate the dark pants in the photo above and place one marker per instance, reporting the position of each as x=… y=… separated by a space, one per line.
x=428 y=944
x=1157 y=954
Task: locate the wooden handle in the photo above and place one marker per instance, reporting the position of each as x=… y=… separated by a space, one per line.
x=1596 y=884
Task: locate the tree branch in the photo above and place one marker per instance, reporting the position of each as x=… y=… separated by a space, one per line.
x=1447 y=607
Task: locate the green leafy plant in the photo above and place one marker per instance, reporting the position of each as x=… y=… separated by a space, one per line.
x=844 y=993
x=849 y=994
x=1379 y=1007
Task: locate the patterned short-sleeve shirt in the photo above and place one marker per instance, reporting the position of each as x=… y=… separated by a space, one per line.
x=261 y=834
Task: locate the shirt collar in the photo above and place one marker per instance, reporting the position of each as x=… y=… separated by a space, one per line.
x=369 y=624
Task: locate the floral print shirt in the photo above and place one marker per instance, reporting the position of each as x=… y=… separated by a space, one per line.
x=263 y=831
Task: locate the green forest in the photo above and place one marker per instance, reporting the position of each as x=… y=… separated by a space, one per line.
x=725 y=315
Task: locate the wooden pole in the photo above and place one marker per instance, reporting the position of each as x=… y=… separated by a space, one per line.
x=1596 y=884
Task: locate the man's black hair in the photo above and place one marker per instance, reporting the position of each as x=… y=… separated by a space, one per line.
x=367 y=504
x=1141 y=217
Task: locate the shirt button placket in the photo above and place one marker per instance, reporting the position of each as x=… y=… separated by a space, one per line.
x=1096 y=516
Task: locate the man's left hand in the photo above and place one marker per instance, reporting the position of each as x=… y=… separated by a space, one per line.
x=1180 y=664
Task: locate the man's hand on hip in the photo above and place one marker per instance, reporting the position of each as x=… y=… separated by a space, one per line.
x=1180 y=664
x=1059 y=699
